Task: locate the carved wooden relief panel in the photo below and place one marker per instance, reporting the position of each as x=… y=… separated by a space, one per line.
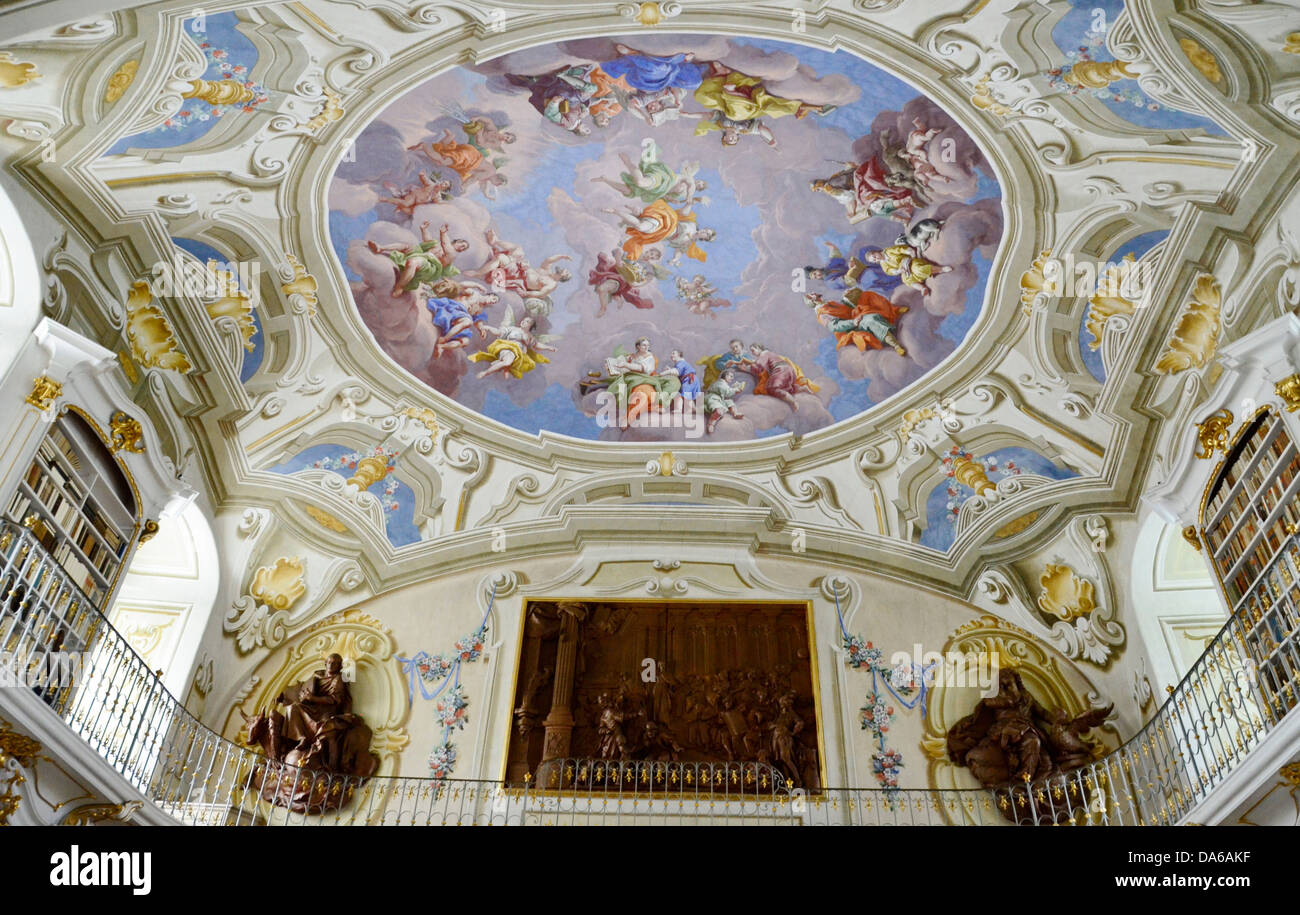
x=666 y=681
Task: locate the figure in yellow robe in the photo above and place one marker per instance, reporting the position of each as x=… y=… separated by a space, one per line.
x=741 y=98
x=904 y=262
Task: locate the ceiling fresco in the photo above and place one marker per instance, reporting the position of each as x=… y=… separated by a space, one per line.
x=583 y=237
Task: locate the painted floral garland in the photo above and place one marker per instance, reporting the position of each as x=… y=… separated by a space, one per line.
x=904 y=683
x=443 y=671
x=220 y=67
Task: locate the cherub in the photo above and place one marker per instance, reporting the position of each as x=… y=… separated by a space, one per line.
x=405 y=200
x=481 y=131
x=517 y=348
x=700 y=296
x=915 y=152
x=508 y=269
x=425 y=262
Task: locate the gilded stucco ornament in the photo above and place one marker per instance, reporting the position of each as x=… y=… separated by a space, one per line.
x=1033 y=284
x=1196 y=334
x=125 y=433
x=1212 y=433
x=300 y=287
x=15 y=73
x=120 y=81
x=1291 y=44
x=45 y=390
x=650 y=13
x=1111 y=299
x=667 y=465
x=153 y=344
x=1065 y=595
x=1190 y=535
x=1289 y=390
x=1202 y=59
x=279 y=585
x=1098 y=74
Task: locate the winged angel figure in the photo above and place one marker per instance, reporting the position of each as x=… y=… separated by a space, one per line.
x=516 y=349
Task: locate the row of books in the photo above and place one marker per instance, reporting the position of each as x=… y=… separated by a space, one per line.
x=1259 y=506
x=1276 y=447
x=60 y=547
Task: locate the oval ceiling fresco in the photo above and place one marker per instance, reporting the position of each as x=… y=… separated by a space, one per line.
x=666 y=237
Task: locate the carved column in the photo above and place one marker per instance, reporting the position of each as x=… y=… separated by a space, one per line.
x=559 y=722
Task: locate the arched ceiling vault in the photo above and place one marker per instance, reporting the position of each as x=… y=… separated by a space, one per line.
x=242 y=386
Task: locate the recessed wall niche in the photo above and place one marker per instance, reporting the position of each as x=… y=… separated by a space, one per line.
x=686 y=682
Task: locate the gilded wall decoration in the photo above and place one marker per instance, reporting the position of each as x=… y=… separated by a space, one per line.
x=279 y=585
x=153 y=344
x=15 y=73
x=1033 y=283
x=1202 y=59
x=232 y=303
x=125 y=433
x=1111 y=299
x=1196 y=334
x=1212 y=433
x=120 y=81
x=45 y=391
x=1291 y=44
x=300 y=287
x=1289 y=390
x=1064 y=594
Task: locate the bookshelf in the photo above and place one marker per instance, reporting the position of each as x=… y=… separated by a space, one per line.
x=1250 y=522
x=77 y=504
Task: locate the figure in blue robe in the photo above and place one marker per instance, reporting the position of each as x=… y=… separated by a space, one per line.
x=648 y=73
x=844 y=273
x=447 y=313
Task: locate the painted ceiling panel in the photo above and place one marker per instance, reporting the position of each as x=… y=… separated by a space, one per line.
x=686 y=191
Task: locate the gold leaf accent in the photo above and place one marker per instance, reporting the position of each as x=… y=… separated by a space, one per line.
x=15 y=73
x=120 y=81
x=303 y=284
x=128 y=366
x=153 y=344
x=149 y=531
x=1097 y=74
x=45 y=390
x=1016 y=526
x=1065 y=594
x=912 y=419
x=280 y=584
x=125 y=433
x=218 y=91
x=1190 y=535
x=983 y=99
x=234 y=303
x=1291 y=44
x=370 y=470
x=325 y=519
x=1201 y=59
x=424 y=416
x=331 y=110
x=1212 y=433
x=1289 y=390
x=1032 y=282
x=1196 y=335
x=91 y=814
x=1104 y=305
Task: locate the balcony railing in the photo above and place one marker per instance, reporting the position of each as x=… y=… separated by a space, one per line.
x=57 y=644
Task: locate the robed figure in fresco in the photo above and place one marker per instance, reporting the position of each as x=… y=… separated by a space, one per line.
x=864 y=319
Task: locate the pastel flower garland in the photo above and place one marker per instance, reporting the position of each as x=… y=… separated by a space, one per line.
x=443 y=671
x=899 y=682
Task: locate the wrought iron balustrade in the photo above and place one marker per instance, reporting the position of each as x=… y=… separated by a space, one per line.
x=1217 y=715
